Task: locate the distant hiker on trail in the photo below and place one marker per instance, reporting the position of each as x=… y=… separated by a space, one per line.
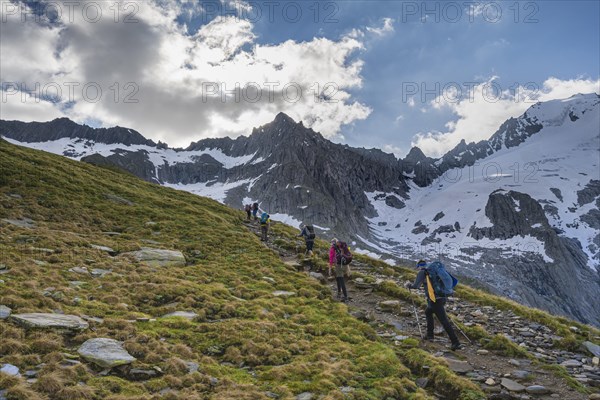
x=248 y=209
x=308 y=232
x=265 y=220
x=432 y=278
x=255 y=210
x=340 y=256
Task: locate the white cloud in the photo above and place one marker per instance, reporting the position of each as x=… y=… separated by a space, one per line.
x=173 y=74
x=479 y=115
x=395 y=150
x=386 y=28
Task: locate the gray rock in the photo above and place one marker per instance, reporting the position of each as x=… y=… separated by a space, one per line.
x=520 y=374
x=594 y=349
x=422 y=382
x=318 y=276
x=571 y=363
x=21 y=223
x=159 y=257
x=283 y=293
x=10 y=369
x=99 y=273
x=4 y=312
x=183 y=314
x=459 y=366
x=79 y=270
x=106 y=353
x=512 y=386
x=304 y=396
x=50 y=321
x=389 y=304
x=103 y=248
x=269 y=279
x=537 y=389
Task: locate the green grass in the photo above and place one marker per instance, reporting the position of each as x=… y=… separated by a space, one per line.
x=249 y=340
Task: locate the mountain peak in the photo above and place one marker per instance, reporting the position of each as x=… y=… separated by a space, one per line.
x=284 y=118
x=415 y=154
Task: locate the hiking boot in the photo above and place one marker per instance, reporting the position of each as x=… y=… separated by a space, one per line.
x=344 y=299
x=429 y=338
x=456 y=346
x=339 y=296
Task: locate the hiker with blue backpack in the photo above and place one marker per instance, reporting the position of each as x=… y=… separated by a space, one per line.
x=438 y=285
x=265 y=221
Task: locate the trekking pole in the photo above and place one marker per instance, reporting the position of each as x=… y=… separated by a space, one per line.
x=416 y=314
x=460 y=330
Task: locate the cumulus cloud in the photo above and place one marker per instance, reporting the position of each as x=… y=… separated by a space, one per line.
x=151 y=74
x=480 y=113
x=386 y=28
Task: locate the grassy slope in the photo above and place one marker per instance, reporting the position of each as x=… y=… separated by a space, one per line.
x=249 y=340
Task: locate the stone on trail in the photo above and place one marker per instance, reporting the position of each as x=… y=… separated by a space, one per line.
x=389 y=304
x=458 y=366
x=304 y=396
x=571 y=363
x=490 y=382
x=512 y=386
x=103 y=248
x=159 y=257
x=50 y=321
x=79 y=270
x=537 y=389
x=106 y=353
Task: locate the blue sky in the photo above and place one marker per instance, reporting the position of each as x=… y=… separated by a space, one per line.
x=528 y=43
x=373 y=51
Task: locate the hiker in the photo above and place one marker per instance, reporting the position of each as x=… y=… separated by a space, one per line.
x=255 y=210
x=248 y=209
x=340 y=256
x=308 y=232
x=435 y=304
x=265 y=220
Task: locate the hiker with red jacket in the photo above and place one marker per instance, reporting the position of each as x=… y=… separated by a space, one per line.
x=340 y=256
x=435 y=305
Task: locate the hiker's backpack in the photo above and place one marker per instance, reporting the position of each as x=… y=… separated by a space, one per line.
x=255 y=206
x=443 y=283
x=264 y=218
x=342 y=254
x=248 y=207
x=311 y=232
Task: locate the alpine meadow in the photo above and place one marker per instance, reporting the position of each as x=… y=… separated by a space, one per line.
x=299 y=200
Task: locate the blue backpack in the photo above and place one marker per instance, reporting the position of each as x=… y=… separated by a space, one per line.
x=443 y=283
x=264 y=218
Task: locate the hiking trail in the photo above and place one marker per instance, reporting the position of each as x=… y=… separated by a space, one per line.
x=498 y=375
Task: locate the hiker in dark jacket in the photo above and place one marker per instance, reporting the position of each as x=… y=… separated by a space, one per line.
x=339 y=271
x=308 y=232
x=255 y=210
x=248 y=210
x=434 y=307
x=265 y=221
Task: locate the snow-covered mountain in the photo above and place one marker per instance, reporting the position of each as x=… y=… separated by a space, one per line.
x=518 y=213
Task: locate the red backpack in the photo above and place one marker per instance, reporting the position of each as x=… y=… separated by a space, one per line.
x=342 y=254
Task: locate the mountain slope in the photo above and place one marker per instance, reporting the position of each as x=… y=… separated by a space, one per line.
x=464 y=207
x=57 y=219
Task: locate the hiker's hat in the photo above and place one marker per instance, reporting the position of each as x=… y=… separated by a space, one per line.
x=421 y=264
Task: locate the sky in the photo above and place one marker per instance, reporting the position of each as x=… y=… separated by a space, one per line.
x=384 y=74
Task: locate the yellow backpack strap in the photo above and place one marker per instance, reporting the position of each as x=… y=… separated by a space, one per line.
x=430 y=290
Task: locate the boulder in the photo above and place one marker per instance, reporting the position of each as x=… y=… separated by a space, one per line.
x=159 y=257
x=50 y=321
x=104 y=248
x=106 y=353
x=389 y=304
x=5 y=312
x=594 y=349
x=10 y=369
